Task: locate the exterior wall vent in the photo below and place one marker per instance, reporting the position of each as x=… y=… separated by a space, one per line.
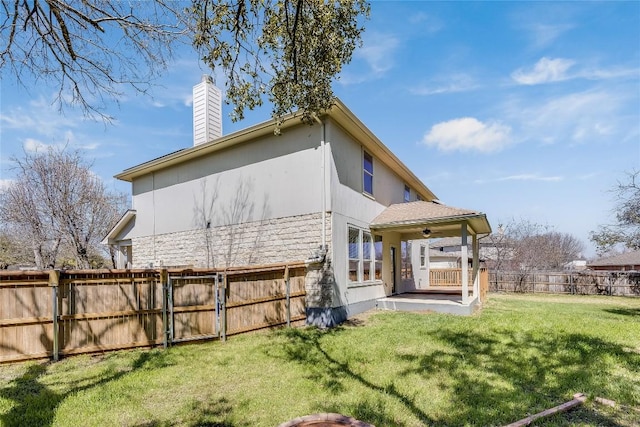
x=207 y=111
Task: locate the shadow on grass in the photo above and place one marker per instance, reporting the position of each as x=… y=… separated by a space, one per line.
x=35 y=404
x=493 y=376
x=502 y=376
x=633 y=312
x=205 y=414
x=304 y=346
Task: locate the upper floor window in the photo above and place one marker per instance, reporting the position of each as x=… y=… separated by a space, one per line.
x=367 y=173
x=407 y=193
x=418 y=197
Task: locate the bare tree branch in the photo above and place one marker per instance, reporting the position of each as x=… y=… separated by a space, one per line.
x=57 y=200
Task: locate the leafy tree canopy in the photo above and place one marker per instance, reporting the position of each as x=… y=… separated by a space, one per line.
x=287 y=50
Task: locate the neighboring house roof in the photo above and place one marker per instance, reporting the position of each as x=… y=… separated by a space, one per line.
x=434 y=253
x=405 y=216
x=339 y=113
x=446 y=242
x=627 y=258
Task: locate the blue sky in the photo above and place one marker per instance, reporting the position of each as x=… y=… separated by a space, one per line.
x=517 y=109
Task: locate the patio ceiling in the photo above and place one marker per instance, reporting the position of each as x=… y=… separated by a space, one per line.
x=410 y=219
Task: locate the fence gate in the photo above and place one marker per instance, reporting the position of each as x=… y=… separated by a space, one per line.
x=192 y=308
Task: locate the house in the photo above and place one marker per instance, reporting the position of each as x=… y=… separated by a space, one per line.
x=628 y=261
x=445 y=253
x=330 y=193
x=575 y=265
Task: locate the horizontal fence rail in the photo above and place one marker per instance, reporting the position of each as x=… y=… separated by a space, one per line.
x=48 y=314
x=586 y=282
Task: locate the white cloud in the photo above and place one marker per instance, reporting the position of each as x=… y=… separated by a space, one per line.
x=544 y=35
x=610 y=73
x=455 y=83
x=530 y=177
x=377 y=51
x=377 y=54
x=38 y=117
x=5 y=183
x=31 y=145
x=426 y=22
x=468 y=133
x=522 y=177
x=576 y=117
x=546 y=70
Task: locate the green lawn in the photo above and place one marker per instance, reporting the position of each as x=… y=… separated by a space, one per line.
x=519 y=356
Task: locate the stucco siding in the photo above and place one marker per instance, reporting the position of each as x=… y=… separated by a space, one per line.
x=272 y=178
x=347 y=157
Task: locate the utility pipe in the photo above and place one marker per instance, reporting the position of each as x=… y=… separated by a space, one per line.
x=323 y=183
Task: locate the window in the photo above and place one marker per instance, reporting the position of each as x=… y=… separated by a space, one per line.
x=365 y=256
x=418 y=197
x=407 y=193
x=423 y=256
x=354 y=255
x=367 y=173
x=406 y=270
x=377 y=247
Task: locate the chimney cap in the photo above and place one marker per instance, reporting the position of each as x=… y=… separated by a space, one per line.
x=206 y=78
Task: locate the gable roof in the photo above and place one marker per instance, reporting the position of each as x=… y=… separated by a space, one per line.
x=339 y=113
x=125 y=219
x=413 y=216
x=627 y=258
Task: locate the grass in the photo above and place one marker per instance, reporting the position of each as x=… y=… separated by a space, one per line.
x=519 y=356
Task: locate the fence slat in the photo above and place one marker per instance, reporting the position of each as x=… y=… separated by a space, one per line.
x=46 y=314
x=585 y=282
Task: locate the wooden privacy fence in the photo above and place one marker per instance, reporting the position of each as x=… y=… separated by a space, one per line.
x=57 y=313
x=586 y=282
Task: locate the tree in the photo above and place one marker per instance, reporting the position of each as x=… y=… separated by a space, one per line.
x=91 y=49
x=525 y=246
x=56 y=201
x=521 y=247
x=291 y=49
x=13 y=249
x=625 y=231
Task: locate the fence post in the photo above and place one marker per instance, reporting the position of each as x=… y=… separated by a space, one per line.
x=288 y=295
x=54 y=281
x=216 y=322
x=165 y=287
x=571 y=285
x=223 y=321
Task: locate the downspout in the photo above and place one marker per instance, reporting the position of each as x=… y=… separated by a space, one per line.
x=323 y=190
x=153 y=202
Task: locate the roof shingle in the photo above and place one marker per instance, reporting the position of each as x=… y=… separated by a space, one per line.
x=627 y=258
x=417 y=211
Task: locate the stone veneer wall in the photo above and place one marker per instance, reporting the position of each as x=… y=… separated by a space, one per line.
x=276 y=240
x=294 y=238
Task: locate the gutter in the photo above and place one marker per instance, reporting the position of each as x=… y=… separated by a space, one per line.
x=426 y=221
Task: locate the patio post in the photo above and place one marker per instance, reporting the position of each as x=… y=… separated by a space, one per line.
x=465 y=264
x=475 y=246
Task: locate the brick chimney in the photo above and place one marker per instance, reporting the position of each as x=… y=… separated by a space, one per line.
x=207 y=111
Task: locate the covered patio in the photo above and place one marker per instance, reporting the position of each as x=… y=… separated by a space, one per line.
x=409 y=282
